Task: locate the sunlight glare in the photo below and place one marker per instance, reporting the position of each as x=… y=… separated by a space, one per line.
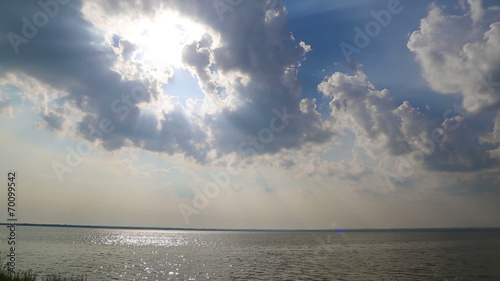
x=162 y=40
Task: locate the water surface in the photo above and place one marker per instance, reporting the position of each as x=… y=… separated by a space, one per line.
x=115 y=254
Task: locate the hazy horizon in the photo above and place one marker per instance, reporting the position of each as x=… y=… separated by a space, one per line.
x=329 y=230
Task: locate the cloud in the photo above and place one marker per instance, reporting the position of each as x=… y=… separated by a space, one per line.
x=476 y=10
x=466 y=184
x=459 y=54
x=401 y=137
x=459 y=150
x=494 y=136
x=53 y=121
x=372 y=115
x=6 y=109
x=247 y=66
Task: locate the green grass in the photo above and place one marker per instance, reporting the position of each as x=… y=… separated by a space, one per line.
x=4 y=276
x=31 y=276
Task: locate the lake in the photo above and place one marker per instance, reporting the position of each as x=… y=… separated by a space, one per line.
x=116 y=254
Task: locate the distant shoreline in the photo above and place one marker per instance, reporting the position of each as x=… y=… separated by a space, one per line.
x=445 y=229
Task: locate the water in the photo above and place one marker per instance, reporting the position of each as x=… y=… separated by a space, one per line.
x=111 y=254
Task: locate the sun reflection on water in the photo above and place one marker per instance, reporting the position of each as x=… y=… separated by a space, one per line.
x=117 y=237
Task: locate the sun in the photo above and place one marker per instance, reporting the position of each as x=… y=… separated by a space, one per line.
x=161 y=40
x=158 y=43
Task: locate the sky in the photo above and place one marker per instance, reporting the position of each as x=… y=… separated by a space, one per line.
x=252 y=114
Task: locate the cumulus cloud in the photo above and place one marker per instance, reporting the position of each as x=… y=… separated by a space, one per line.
x=198 y=58
x=459 y=54
x=492 y=138
x=401 y=138
x=476 y=10
x=247 y=68
x=459 y=150
x=371 y=114
x=248 y=64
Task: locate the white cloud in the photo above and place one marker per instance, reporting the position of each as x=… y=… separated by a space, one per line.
x=247 y=67
x=459 y=54
x=400 y=138
x=379 y=125
x=495 y=134
x=476 y=10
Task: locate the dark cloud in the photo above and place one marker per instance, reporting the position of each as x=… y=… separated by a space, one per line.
x=69 y=55
x=402 y=133
x=251 y=76
x=54 y=121
x=460 y=150
x=256 y=44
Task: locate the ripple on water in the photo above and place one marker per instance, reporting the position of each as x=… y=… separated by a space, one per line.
x=104 y=254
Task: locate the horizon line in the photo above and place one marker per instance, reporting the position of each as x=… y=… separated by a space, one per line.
x=475 y=228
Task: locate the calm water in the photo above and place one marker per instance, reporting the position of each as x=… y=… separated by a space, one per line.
x=107 y=254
